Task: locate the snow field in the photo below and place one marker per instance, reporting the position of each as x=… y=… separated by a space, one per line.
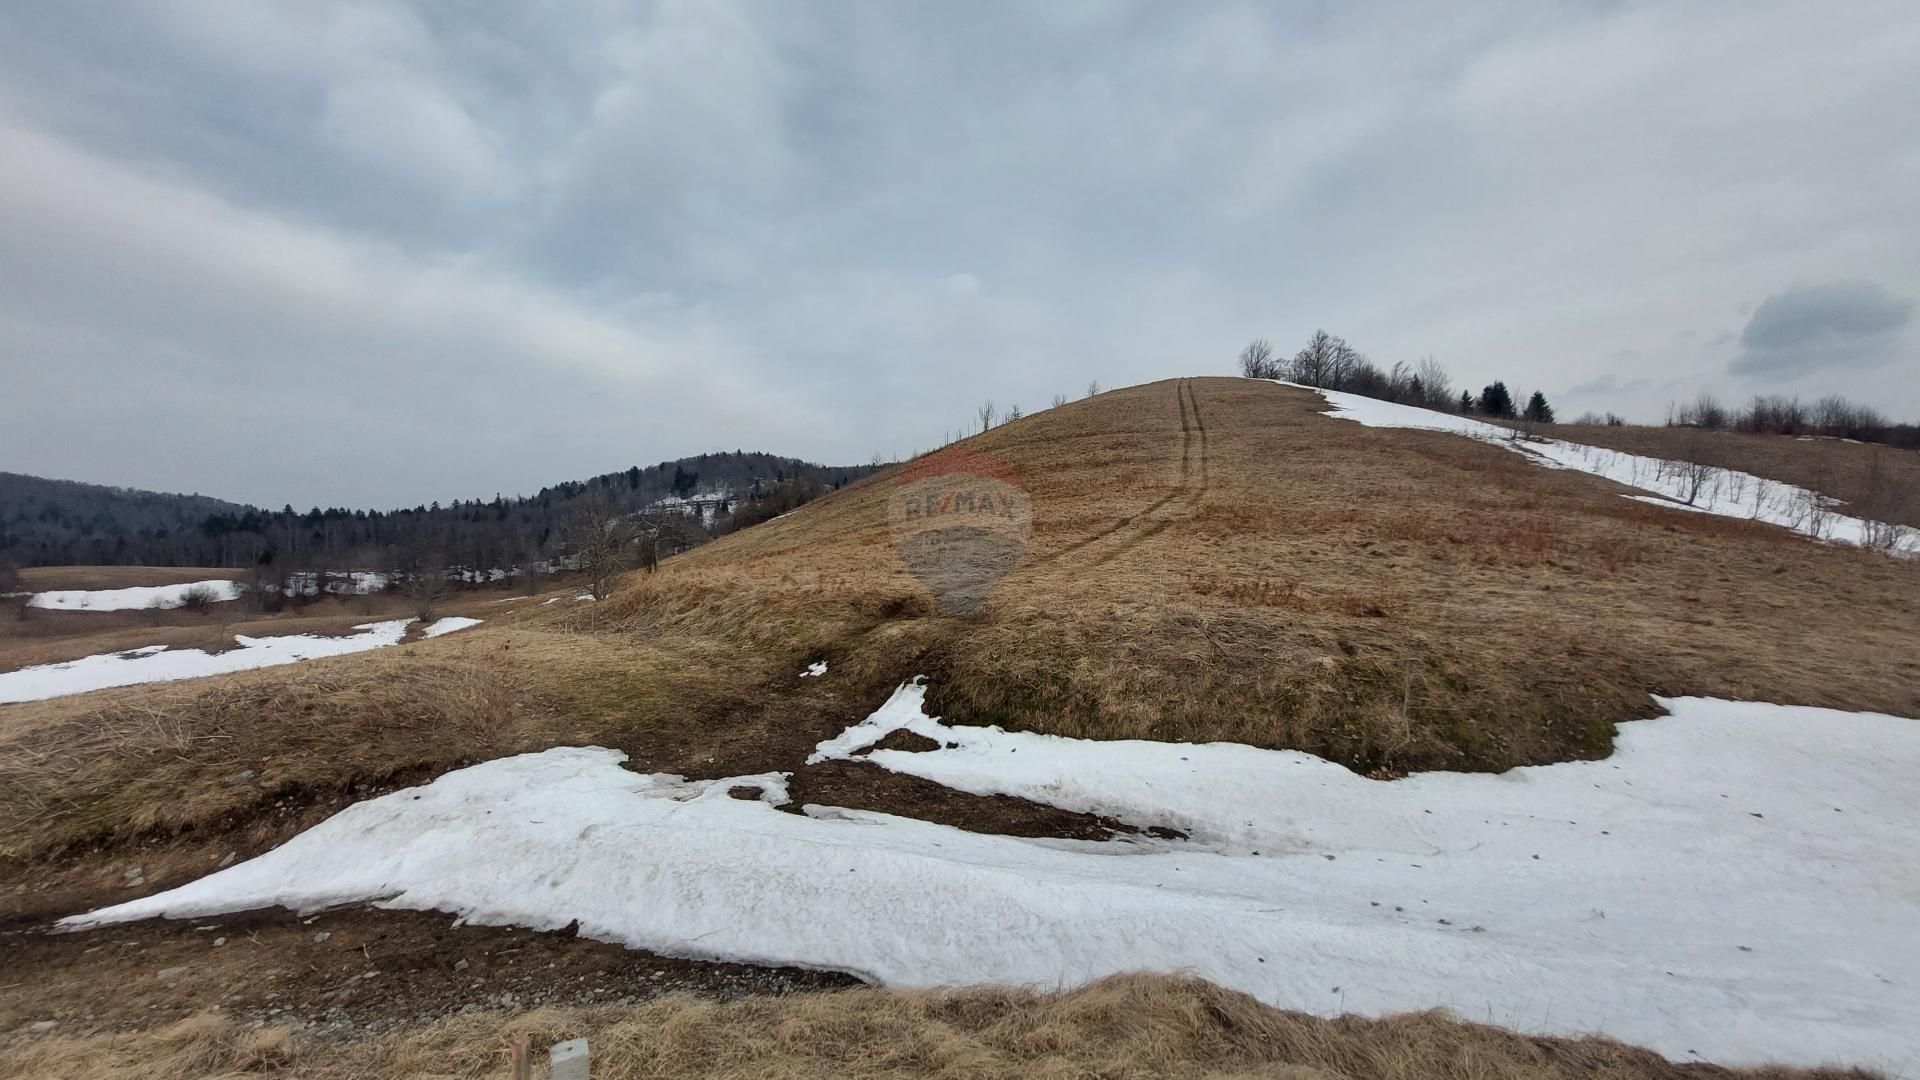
x=158 y=663
x=1735 y=883
x=136 y=598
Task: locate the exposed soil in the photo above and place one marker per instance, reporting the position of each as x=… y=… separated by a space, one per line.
x=909 y=741
x=351 y=970
x=859 y=785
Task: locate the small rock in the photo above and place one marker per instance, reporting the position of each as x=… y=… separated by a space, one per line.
x=219 y=941
x=43 y=1026
x=321 y=936
x=228 y=861
x=460 y=965
x=172 y=972
x=240 y=777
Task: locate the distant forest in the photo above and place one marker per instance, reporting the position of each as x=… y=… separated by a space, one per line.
x=64 y=522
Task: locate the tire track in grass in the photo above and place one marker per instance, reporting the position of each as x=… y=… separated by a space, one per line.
x=1186 y=450
x=1193 y=460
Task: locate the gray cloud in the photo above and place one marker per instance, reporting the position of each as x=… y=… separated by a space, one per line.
x=436 y=255
x=1816 y=327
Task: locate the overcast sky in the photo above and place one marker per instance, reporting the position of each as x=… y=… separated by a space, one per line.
x=378 y=254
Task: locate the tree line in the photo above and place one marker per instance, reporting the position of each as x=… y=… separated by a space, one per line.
x=1327 y=362
x=54 y=522
x=1776 y=414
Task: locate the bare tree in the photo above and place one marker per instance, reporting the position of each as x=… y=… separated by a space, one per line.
x=603 y=540
x=986 y=414
x=1093 y=388
x=1257 y=360
x=1059 y=400
x=425 y=583
x=1313 y=365
x=1436 y=385
x=1014 y=413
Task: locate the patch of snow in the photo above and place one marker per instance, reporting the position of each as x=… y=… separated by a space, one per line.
x=1735 y=882
x=137 y=598
x=585 y=596
x=449 y=624
x=157 y=663
x=1727 y=492
x=815 y=670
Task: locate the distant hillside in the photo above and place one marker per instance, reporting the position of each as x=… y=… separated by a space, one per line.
x=49 y=522
x=59 y=522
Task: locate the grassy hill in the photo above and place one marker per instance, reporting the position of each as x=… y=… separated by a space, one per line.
x=1209 y=559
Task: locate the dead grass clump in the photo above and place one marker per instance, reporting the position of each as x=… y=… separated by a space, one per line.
x=1127 y=1027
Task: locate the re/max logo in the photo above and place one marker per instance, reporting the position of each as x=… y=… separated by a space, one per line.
x=957 y=501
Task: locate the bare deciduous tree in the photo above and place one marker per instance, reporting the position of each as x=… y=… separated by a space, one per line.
x=1093 y=388
x=1059 y=400
x=1014 y=413
x=1436 y=385
x=1257 y=360
x=425 y=583
x=603 y=541
x=986 y=413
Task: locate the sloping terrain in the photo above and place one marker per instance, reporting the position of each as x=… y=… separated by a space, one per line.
x=1863 y=476
x=1209 y=559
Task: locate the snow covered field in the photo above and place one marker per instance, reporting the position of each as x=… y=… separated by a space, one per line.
x=1735 y=883
x=1715 y=491
x=158 y=663
x=137 y=598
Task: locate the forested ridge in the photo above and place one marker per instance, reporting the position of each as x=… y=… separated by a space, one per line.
x=47 y=522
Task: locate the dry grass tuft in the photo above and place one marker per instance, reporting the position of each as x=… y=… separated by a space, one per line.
x=1121 y=1028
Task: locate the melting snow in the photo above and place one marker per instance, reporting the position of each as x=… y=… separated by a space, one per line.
x=1735 y=882
x=815 y=670
x=139 y=597
x=449 y=624
x=158 y=663
x=1727 y=492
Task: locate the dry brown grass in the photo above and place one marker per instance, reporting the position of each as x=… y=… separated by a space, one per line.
x=1393 y=598
x=1133 y=1026
x=1836 y=467
x=48 y=578
x=1388 y=599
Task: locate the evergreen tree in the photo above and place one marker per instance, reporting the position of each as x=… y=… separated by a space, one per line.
x=1497 y=402
x=1466 y=403
x=1538 y=410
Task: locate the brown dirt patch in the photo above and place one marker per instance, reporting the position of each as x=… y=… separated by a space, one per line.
x=907 y=741
x=355 y=969
x=859 y=785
